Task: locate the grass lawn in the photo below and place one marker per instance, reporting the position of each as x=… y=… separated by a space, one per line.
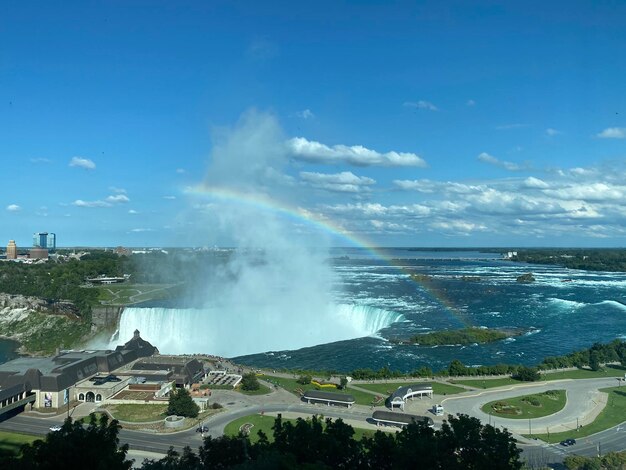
x=121 y=293
x=265 y=423
x=11 y=442
x=488 y=383
x=291 y=385
x=138 y=413
x=612 y=370
x=388 y=388
x=613 y=414
x=521 y=408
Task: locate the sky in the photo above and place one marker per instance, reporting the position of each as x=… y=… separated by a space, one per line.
x=387 y=123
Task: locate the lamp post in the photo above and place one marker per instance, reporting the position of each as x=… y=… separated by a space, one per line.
x=530 y=430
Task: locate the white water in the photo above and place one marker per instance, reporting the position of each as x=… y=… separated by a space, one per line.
x=213 y=331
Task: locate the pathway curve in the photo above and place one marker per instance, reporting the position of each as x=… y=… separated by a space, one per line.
x=584 y=403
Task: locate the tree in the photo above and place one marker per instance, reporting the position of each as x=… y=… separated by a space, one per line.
x=594 y=360
x=527 y=374
x=250 y=382
x=95 y=446
x=456 y=368
x=304 y=379
x=181 y=404
x=343 y=383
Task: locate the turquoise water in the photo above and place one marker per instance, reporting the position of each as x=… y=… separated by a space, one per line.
x=7 y=350
x=564 y=310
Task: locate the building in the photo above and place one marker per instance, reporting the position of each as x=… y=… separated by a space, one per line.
x=11 y=250
x=53 y=382
x=328 y=398
x=392 y=418
x=38 y=253
x=183 y=370
x=399 y=397
x=45 y=240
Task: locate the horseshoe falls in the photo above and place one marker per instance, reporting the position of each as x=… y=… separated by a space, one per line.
x=232 y=333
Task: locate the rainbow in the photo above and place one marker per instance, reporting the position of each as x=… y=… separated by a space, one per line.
x=324 y=225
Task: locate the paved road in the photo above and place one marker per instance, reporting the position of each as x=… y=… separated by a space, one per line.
x=583 y=403
x=581 y=394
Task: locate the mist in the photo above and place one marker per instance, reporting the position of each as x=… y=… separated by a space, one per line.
x=275 y=289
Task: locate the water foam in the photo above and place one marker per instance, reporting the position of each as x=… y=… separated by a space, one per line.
x=213 y=331
x=567 y=304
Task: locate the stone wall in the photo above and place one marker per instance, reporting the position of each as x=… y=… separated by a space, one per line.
x=106 y=316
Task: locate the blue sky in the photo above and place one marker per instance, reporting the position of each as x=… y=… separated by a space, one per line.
x=399 y=123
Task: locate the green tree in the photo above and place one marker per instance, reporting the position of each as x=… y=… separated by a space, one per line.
x=594 y=360
x=456 y=368
x=343 y=383
x=527 y=374
x=250 y=382
x=304 y=379
x=181 y=404
x=95 y=446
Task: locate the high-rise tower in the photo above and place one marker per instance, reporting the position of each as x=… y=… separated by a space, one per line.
x=11 y=250
x=45 y=240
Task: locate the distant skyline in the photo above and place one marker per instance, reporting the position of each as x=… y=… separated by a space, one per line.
x=406 y=124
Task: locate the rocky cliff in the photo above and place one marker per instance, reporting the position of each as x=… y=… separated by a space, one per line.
x=39 y=325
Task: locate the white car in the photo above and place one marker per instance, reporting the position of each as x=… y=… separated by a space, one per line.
x=55 y=428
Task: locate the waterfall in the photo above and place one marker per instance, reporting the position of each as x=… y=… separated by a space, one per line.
x=214 y=331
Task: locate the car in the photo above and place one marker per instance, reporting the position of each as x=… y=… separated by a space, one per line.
x=55 y=428
x=202 y=429
x=570 y=442
x=564 y=443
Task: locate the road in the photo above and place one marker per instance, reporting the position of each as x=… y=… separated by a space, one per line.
x=583 y=403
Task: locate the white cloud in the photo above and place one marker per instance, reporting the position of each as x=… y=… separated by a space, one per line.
x=344 y=182
x=470 y=103
x=486 y=158
x=552 y=132
x=589 y=192
x=305 y=114
x=118 y=198
x=458 y=227
x=83 y=163
x=117 y=190
x=81 y=203
x=170 y=198
x=132 y=211
x=535 y=183
x=40 y=160
x=315 y=152
x=13 y=208
x=613 y=133
x=421 y=104
x=181 y=171
x=428 y=186
x=137 y=230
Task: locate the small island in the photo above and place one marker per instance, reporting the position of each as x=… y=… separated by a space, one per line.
x=464 y=336
x=526 y=278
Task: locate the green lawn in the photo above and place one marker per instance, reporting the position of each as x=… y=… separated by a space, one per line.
x=291 y=385
x=520 y=408
x=265 y=423
x=613 y=414
x=138 y=413
x=488 y=383
x=612 y=370
x=120 y=294
x=11 y=442
x=388 y=388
